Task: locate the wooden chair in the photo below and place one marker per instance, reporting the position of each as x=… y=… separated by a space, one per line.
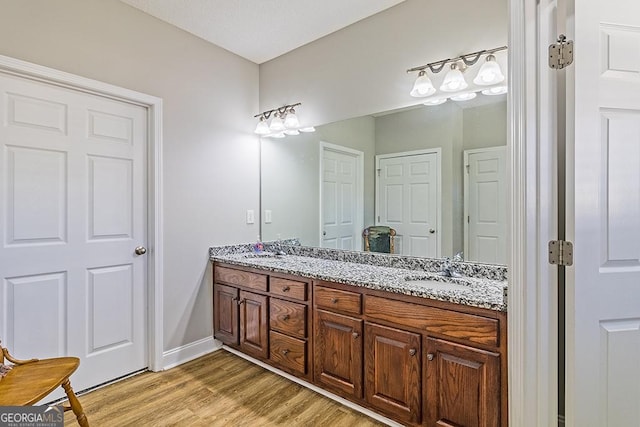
x=29 y=381
x=379 y=238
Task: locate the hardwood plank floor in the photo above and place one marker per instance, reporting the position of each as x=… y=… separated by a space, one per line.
x=220 y=389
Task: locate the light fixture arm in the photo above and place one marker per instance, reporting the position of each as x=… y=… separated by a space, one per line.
x=468 y=59
x=280 y=110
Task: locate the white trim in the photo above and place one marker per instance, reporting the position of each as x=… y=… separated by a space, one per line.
x=532 y=333
x=154 y=190
x=188 y=352
x=438 y=152
x=359 y=155
x=317 y=389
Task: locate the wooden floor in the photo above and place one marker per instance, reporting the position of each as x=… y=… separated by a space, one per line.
x=219 y=389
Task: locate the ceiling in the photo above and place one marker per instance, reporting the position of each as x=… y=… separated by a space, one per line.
x=260 y=30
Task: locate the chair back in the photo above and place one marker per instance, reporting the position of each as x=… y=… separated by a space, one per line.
x=379 y=238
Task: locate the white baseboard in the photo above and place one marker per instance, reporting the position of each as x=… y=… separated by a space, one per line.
x=317 y=389
x=185 y=353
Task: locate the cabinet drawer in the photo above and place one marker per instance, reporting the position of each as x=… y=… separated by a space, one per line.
x=335 y=300
x=477 y=329
x=288 y=352
x=241 y=278
x=288 y=317
x=289 y=288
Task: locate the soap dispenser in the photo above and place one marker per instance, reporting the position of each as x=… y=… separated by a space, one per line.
x=258 y=247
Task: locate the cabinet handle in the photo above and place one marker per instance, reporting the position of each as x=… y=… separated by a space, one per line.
x=285 y=352
x=430 y=356
x=334 y=300
x=235 y=299
x=355 y=335
x=286 y=289
x=412 y=352
x=242 y=301
x=285 y=317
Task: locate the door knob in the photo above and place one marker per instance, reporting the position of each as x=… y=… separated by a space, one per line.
x=430 y=356
x=431 y=230
x=324 y=233
x=141 y=250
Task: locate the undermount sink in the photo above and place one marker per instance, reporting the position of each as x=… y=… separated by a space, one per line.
x=261 y=255
x=437 y=285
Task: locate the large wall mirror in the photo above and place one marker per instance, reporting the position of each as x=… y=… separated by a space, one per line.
x=434 y=174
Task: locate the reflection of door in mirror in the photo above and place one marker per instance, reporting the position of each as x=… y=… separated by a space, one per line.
x=485 y=205
x=408 y=195
x=341 y=197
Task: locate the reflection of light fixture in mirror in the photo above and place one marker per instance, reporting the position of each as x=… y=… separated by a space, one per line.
x=284 y=121
x=435 y=101
x=453 y=80
x=498 y=90
x=489 y=73
x=262 y=128
x=422 y=85
x=465 y=96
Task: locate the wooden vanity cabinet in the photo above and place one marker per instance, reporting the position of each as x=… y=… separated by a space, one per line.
x=264 y=315
x=393 y=374
x=337 y=353
x=463 y=385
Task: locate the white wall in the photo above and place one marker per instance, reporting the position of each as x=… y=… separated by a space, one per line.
x=211 y=163
x=360 y=69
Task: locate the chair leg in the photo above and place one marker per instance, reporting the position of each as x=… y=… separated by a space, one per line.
x=76 y=407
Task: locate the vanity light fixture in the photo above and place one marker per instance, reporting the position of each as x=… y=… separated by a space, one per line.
x=454 y=81
x=284 y=121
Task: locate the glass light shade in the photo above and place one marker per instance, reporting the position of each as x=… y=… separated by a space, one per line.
x=464 y=96
x=292 y=132
x=307 y=129
x=291 y=120
x=422 y=86
x=262 y=128
x=435 y=101
x=453 y=80
x=489 y=73
x=276 y=124
x=278 y=135
x=498 y=90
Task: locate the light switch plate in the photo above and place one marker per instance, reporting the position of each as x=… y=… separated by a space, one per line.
x=267 y=216
x=250 y=216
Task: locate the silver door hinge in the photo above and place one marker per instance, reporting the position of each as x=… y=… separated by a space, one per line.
x=378 y=170
x=561 y=53
x=560 y=252
x=467 y=167
x=378 y=218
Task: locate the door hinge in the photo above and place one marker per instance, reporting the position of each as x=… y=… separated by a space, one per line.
x=561 y=53
x=378 y=170
x=560 y=252
x=378 y=218
x=467 y=167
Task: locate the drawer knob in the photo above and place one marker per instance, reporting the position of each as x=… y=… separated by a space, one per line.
x=430 y=356
x=286 y=289
x=334 y=300
x=412 y=352
x=355 y=335
x=242 y=301
x=285 y=351
x=285 y=317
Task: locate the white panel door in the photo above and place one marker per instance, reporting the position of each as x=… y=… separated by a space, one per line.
x=408 y=202
x=72 y=210
x=341 y=214
x=603 y=216
x=485 y=205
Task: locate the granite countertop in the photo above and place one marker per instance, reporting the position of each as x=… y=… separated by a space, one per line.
x=471 y=291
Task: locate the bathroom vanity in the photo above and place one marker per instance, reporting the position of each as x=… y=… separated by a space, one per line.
x=410 y=344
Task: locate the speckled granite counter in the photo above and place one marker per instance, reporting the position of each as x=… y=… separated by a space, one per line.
x=475 y=291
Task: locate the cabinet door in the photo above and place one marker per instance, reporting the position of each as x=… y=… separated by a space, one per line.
x=225 y=313
x=338 y=353
x=254 y=324
x=463 y=385
x=393 y=375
